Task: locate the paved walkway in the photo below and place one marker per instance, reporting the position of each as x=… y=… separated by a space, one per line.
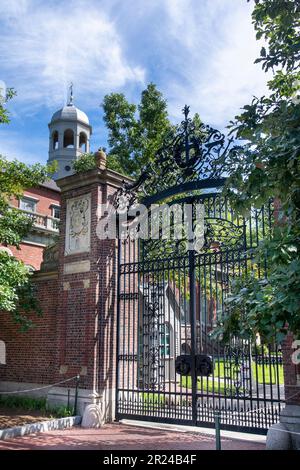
x=123 y=437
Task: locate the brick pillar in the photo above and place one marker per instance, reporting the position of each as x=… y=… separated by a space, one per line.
x=286 y=434
x=87 y=291
x=291 y=370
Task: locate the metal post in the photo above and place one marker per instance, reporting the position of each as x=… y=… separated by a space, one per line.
x=118 y=322
x=68 y=399
x=193 y=333
x=218 y=430
x=76 y=394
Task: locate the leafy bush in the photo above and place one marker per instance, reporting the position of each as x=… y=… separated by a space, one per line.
x=84 y=163
x=266 y=165
x=35 y=404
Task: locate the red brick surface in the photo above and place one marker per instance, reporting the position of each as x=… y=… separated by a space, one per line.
x=30 y=254
x=30 y=356
x=122 y=437
x=87 y=316
x=291 y=370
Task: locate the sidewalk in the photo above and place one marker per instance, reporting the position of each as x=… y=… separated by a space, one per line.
x=124 y=437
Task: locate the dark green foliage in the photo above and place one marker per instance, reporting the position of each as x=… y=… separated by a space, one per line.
x=84 y=163
x=87 y=162
x=135 y=133
x=4 y=114
x=34 y=404
x=17 y=293
x=267 y=164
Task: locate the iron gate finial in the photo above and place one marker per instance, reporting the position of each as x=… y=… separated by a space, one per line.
x=186 y=111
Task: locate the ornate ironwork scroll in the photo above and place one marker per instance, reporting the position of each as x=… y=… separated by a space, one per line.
x=153 y=322
x=192 y=153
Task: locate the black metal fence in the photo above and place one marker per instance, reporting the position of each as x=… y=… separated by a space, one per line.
x=171 y=293
x=168 y=304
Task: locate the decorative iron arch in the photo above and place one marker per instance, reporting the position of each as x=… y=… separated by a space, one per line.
x=191 y=159
x=188 y=168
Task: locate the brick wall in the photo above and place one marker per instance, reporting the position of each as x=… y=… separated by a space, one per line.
x=77 y=305
x=77 y=334
x=87 y=333
x=291 y=372
x=30 y=356
x=28 y=253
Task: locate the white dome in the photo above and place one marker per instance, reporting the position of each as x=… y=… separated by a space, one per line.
x=70 y=113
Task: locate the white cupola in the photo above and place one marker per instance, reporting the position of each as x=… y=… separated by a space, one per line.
x=69 y=137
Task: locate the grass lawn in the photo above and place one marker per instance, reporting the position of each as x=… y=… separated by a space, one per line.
x=207 y=385
x=261 y=373
x=268 y=374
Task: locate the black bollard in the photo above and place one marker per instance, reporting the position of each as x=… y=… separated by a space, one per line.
x=76 y=394
x=218 y=430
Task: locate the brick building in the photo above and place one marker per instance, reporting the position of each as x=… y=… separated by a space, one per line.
x=42 y=205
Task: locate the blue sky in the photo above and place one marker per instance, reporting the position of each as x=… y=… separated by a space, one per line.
x=198 y=52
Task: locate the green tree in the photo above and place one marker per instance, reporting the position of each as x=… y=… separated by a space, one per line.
x=266 y=165
x=5 y=96
x=17 y=294
x=135 y=133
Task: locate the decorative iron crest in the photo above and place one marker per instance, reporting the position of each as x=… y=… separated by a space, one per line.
x=192 y=153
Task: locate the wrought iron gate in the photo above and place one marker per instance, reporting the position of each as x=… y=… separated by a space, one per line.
x=171 y=293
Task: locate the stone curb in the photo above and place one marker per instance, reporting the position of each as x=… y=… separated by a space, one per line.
x=43 y=426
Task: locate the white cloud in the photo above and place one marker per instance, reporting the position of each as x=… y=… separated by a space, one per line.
x=10 y=9
x=44 y=47
x=215 y=53
x=199 y=53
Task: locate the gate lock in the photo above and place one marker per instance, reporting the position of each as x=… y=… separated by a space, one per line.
x=203 y=364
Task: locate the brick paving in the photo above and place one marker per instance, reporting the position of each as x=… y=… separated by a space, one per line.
x=123 y=437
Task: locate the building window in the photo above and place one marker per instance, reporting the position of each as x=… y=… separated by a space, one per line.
x=56 y=211
x=83 y=141
x=55 y=140
x=165 y=341
x=28 y=204
x=2 y=352
x=69 y=138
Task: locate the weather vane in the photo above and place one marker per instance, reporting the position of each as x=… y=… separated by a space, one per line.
x=70 y=103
